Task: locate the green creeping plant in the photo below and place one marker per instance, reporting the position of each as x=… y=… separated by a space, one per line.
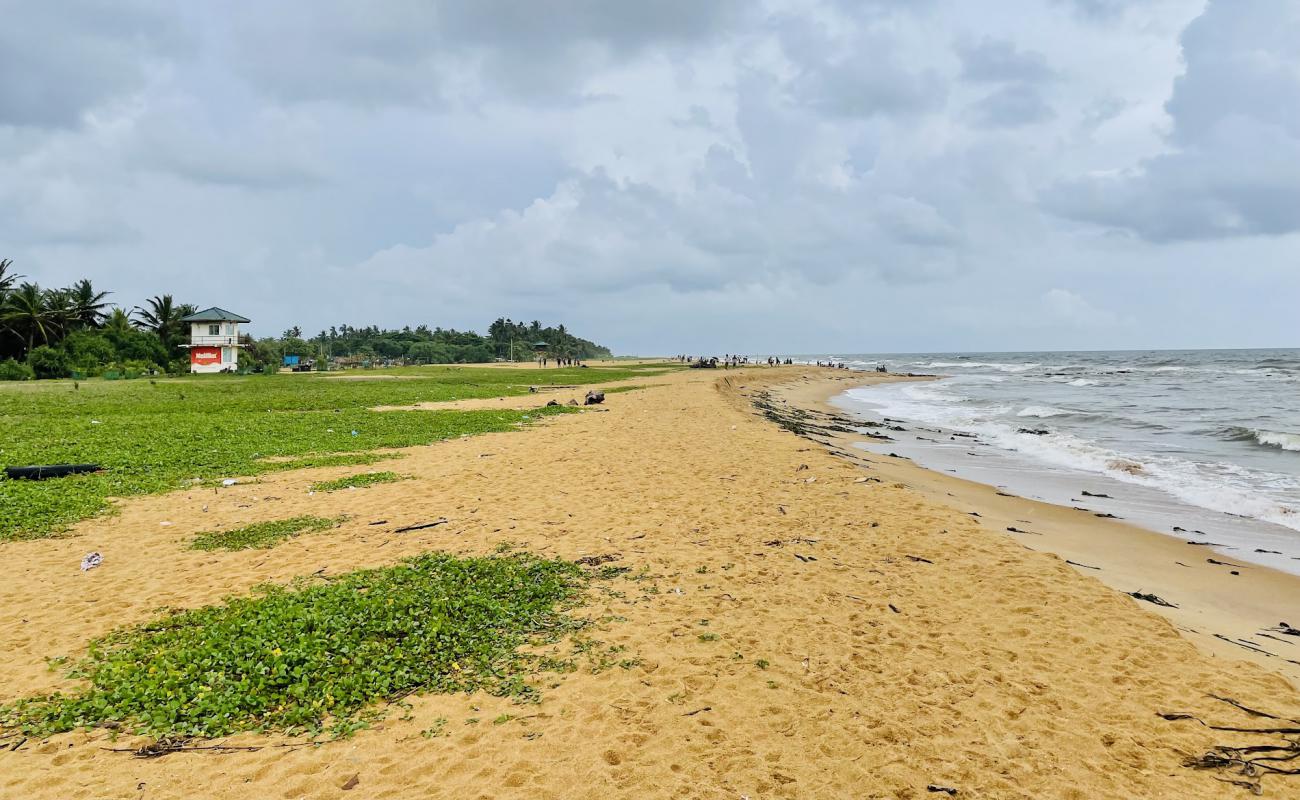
x=313 y=656
x=159 y=436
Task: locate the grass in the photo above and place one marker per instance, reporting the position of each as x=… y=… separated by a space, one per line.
x=262 y=535
x=157 y=436
x=356 y=481
x=312 y=656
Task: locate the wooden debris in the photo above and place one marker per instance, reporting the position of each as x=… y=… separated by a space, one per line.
x=1151 y=598
x=436 y=522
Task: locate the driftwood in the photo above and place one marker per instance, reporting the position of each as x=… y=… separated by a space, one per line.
x=1151 y=598
x=436 y=522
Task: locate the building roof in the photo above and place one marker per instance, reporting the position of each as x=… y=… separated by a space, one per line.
x=214 y=314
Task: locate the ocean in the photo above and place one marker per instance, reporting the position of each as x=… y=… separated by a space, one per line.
x=1200 y=444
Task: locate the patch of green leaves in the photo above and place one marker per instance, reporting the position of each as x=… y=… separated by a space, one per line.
x=163 y=435
x=308 y=656
x=356 y=481
x=262 y=535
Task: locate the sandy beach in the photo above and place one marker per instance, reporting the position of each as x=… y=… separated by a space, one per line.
x=1227 y=609
x=816 y=621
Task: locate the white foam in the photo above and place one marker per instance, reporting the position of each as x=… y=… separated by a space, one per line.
x=1217 y=486
x=1279 y=439
x=1082 y=382
x=1022 y=367
x=1041 y=412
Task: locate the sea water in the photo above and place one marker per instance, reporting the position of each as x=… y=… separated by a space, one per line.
x=1207 y=441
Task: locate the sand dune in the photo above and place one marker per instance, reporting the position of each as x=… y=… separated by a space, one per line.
x=904 y=645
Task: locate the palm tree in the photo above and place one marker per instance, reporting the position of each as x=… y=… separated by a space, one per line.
x=163 y=317
x=29 y=314
x=160 y=317
x=118 y=323
x=88 y=305
x=6 y=280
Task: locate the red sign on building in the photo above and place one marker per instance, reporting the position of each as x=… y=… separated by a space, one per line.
x=205 y=355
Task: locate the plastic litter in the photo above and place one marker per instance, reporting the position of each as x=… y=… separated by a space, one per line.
x=91 y=561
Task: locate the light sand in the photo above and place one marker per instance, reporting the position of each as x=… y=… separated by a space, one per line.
x=1227 y=615
x=1002 y=672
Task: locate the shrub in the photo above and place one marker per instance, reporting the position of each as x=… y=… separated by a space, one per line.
x=11 y=370
x=89 y=351
x=48 y=362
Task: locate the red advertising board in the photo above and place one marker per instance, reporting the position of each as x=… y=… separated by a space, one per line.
x=205 y=355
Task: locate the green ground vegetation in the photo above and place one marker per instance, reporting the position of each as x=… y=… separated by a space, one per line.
x=261 y=535
x=160 y=435
x=322 y=655
x=356 y=481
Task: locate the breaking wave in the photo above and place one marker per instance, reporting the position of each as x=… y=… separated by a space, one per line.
x=1279 y=439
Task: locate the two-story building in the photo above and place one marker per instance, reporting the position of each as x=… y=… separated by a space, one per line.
x=214 y=340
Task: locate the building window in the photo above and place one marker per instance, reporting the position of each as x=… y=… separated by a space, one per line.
x=214 y=330
x=225 y=356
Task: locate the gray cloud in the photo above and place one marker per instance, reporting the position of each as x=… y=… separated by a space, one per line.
x=1232 y=167
x=57 y=60
x=994 y=60
x=431 y=53
x=1011 y=107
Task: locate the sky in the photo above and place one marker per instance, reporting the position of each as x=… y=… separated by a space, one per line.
x=682 y=176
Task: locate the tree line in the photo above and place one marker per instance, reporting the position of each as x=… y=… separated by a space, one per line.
x=57 y=333
x=506 y=340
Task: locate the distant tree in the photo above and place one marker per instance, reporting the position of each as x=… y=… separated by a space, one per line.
x=118 y=323
x=28 y=313
x=87 y=304
x=7 y=277
x=163 y=317
x=88 y=350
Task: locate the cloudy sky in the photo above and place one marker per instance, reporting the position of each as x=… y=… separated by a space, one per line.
x=675 y=176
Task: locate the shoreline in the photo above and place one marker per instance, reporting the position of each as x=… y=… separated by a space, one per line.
x=1224 y=614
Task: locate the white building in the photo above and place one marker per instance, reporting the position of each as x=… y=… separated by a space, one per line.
x=214 y=340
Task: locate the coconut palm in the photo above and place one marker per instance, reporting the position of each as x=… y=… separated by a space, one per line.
x=88 y=305
x=162 y=317
x=30 y=315
x=7 y=277
x=118 y=323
